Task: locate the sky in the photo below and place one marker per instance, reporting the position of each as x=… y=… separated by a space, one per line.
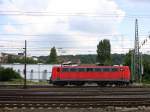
x=72 y=26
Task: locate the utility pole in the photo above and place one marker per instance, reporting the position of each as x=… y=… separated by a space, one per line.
x=132 y=66
x=136 y=56
x=137 y=61
x=25 y=65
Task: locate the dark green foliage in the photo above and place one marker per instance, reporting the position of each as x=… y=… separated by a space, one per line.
x=104 y=52
x=117 y=59
x=127 y=59
x=43 y=59
x=29 y=60
x=7 y=74
x=88 y=59
x=53 y=56
x=146 y=64
x=85 y=59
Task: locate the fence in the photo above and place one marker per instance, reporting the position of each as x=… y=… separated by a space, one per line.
x=35 y=72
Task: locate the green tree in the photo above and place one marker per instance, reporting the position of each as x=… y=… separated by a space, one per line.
x=146 y=65
x=53 y=56
x=7 y=74
x=29 y=60
x=10 y=59
x=127 y=59
x=104 y=52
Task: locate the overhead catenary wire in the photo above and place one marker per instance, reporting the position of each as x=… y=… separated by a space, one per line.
x=42 y=13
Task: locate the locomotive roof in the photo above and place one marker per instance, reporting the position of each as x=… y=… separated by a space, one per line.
x=92 y=66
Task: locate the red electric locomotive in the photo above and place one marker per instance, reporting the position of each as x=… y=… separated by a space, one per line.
x=79 y=75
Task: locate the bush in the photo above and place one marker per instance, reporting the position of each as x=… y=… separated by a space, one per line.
x=7 y=74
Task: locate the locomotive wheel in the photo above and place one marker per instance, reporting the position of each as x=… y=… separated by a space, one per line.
x=101 y=84
x=122 y=84
x=60 y=83
x=79 y=83
x=125 y=84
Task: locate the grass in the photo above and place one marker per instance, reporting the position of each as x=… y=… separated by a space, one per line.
x=29 y=82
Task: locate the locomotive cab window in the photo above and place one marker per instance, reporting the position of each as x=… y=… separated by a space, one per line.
x=65 y=70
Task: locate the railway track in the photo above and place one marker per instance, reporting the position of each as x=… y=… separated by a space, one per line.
x=75 y=97
x=86 y=102
x=51 y=86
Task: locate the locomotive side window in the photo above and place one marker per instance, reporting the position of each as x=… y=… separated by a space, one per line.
x=98 y=69
x=73 y=70
x=114 y=69
x=90 y=69
x=106 y=69
x=65 y=70
x=81 y=70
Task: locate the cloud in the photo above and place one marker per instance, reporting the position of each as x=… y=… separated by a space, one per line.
x=139 y=1
x=73 y=20
x=9 y=29
x=88 y=25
